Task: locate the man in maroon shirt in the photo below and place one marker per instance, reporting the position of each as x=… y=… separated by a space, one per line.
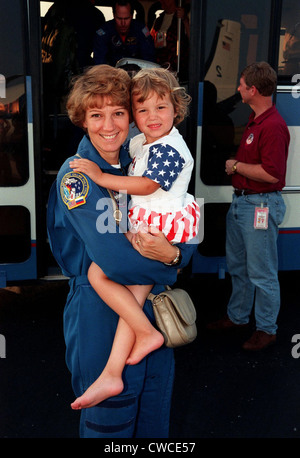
x=258 y=176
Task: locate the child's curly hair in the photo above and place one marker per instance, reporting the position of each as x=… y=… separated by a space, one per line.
x=162 y=82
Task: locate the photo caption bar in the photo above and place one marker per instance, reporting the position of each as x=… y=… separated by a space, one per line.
x=150 y=447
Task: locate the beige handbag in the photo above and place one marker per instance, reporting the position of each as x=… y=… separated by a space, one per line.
x=175 y=316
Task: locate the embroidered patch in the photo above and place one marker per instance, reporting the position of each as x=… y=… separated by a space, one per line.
x=73 y=189
x=250 y=139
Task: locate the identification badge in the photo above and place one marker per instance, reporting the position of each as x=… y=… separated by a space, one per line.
x=261 y=217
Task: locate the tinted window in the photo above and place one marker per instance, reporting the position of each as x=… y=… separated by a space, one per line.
x=14 y=234
x=15 y=237
x=236 y=35
x=13 y=109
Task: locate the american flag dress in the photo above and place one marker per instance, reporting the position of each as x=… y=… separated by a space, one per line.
x=171 y=208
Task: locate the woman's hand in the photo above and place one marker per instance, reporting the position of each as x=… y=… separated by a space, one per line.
x=152 y=244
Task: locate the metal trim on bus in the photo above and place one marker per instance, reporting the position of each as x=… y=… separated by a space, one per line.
x=289 y=88
x=291 y=189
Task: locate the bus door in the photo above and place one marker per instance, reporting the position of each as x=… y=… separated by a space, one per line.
x=233 y=35
x=17 y=183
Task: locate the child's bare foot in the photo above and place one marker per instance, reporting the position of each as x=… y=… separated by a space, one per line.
x=145 y=345
x=104 y=387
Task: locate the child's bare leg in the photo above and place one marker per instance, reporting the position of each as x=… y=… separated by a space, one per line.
x=141 y=345
x=123 y=302
x=110 y=382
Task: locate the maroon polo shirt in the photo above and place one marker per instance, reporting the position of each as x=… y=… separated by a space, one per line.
x=265 y=141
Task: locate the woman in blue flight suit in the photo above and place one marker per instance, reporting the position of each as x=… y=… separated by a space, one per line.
x=82 y=229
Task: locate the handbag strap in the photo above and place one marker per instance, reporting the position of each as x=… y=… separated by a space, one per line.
x=152 y=296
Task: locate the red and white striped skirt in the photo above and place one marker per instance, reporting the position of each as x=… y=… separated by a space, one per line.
x=178 y=226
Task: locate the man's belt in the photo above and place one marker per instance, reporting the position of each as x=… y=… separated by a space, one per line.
x=244 y=192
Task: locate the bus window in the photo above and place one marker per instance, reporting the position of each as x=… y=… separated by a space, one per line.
x=232 y=33
x=13 y=118
x=13 y=134
x=17 y=179
x=14 y=234
x=289 y=46
x=13 y=108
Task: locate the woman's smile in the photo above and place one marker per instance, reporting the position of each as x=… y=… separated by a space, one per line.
x=110 y=137
x=107 y=126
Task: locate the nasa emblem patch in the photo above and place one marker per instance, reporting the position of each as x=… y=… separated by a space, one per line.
x=73 y=189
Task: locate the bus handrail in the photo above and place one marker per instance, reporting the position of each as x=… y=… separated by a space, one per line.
x=291 y=189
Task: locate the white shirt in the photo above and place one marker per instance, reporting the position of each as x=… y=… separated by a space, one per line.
x=166 y=161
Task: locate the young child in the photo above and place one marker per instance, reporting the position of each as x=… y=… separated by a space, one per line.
x=157 y=181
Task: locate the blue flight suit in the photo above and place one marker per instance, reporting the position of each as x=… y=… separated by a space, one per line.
x=74 y=223
x=109 y=47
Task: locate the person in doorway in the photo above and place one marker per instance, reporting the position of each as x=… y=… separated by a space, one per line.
x=258 y=176
x=82 y=230
x=165 y=35
x=122 y=37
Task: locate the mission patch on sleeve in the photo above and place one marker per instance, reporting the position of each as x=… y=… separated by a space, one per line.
x=73 y=189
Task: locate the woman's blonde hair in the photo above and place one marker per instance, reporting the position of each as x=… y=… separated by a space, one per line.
x=98 y=81
x=162 y=82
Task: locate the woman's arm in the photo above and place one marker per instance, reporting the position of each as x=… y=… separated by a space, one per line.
x=132 y=185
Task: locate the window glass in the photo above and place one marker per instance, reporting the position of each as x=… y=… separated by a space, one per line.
x=236 y=35
x=289 y=46
x=15 y=239
x=13 y=109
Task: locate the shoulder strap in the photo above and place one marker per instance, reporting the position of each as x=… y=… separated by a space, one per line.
x=152 y=296
x=117 y=213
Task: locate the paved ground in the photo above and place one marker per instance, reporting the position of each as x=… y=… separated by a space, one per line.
x=220 y=390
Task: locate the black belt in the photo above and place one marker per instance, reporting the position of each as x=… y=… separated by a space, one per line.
x=244 y=192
